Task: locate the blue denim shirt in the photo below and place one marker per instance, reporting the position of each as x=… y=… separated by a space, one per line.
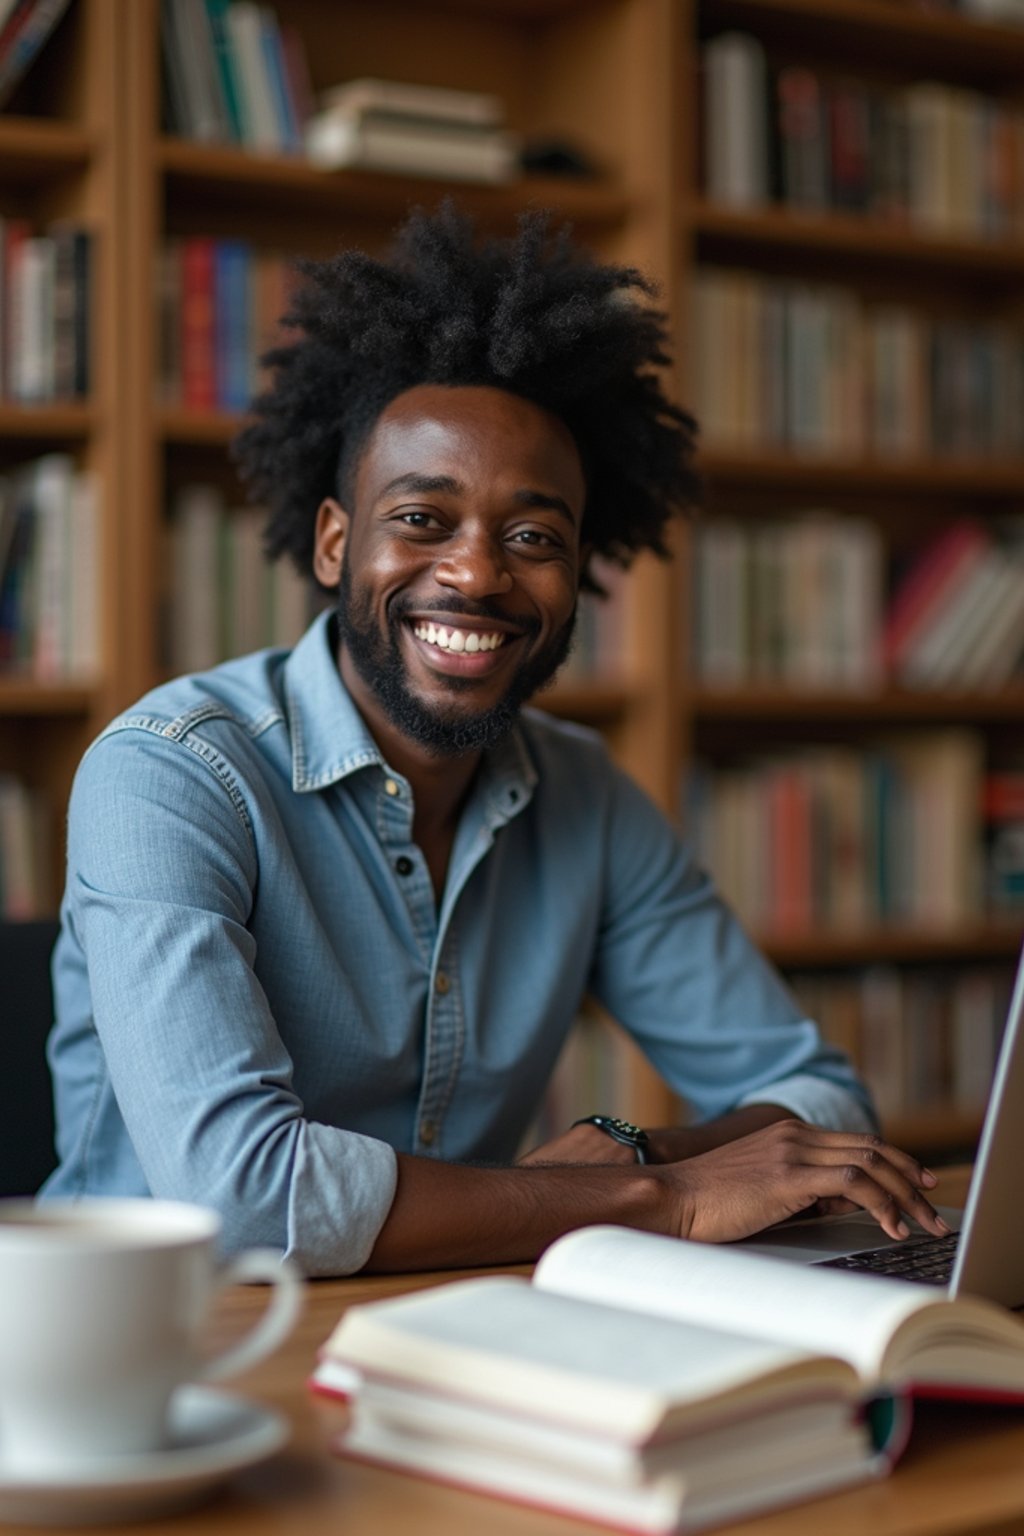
x=258 y=997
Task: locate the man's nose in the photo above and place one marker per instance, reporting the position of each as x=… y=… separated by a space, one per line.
x=474 y=564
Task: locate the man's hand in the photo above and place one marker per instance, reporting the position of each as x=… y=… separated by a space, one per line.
x=789 y=1169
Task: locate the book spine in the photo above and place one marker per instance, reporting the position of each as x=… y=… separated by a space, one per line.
x=198 y=325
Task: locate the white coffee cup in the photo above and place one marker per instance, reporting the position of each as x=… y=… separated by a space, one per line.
x=102 y=1306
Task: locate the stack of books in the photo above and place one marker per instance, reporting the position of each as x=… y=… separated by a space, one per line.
x=413 y=130
x=655 y=1384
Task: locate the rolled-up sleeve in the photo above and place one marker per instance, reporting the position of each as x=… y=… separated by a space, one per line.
x=678 y=971
x=163 y=874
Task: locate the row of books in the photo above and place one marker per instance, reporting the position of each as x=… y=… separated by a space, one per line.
x=797 y=600
x=219 y=307
x=50 y=571
x=923 y=1039
x=44 y=312
x=225 y=598
x=957 y=614
x=938 y=158
x=818 y=370
x=26 y=887
x=600 y=646
x=1003 y=813
x=25 y=26
x=838 y=839
x=234 y=74
x=801 y=600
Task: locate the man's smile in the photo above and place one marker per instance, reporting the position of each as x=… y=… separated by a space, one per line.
x=458 y=649
x=451 y=639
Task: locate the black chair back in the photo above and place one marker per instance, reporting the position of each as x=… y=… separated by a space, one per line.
x=27 y=1152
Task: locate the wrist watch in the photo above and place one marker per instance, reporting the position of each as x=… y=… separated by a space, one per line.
x=623 y=1131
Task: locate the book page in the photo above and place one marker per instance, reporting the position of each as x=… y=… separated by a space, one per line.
x=824 y=1312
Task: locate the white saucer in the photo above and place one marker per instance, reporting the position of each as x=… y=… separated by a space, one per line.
x=211 y=1434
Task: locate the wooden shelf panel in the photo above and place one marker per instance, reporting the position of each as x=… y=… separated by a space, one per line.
x=46 y=421
x=891 y=704
x=186 y=428
x=26 y=696
x=32 y=148
x=776 y=469
x=239 y=177
x=728 y=233
x=981 y=939
x=985 y=52
x=591 y=703
x=939 y=1128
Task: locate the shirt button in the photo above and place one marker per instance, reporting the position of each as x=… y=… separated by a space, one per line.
x=441 y=983
x=404 y=865
x=392 y=787
x=428 y=1133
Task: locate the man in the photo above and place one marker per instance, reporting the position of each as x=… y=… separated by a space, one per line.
x=329 y=914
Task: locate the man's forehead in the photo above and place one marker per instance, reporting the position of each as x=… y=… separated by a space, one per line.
x=428 y=430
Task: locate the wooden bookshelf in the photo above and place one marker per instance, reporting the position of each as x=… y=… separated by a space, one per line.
x=85 y=137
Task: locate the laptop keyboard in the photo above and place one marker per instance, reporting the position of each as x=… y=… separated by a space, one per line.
x=929 y=1260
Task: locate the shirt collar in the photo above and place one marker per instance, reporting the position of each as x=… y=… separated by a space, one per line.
x=330 y=738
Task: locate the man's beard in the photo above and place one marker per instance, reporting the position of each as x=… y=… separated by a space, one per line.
x=443 y=731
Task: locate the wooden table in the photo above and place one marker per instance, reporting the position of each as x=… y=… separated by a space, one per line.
x=964 y=1471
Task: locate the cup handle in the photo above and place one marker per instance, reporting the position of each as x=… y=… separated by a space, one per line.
x=277 y=1321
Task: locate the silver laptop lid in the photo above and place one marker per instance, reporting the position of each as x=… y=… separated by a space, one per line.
x=990 y=1254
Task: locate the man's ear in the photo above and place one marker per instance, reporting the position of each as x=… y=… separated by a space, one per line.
x=329 y=542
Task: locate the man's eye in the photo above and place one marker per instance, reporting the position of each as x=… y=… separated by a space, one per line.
x=418 y=519
x=532 y=536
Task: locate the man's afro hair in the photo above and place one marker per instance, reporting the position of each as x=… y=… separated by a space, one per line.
x=533 y=314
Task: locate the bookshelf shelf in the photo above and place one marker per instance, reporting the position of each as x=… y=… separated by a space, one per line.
x=885 y=707
x=50 y=422
x=986 y=52
x=244 y=178
x=988 y=939
x=726 y=234
x=38 y=148
x=187 y=428
x=943 y=1129
x=27 y=697
x=592 y=703
x=940 y=477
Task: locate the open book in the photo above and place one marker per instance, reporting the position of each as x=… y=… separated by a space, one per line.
x=656 y=1384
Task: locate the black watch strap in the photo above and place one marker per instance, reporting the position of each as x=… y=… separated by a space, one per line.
x=623 y=1131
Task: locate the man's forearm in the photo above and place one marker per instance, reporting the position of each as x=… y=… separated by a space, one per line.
x=449 y=1214
x=452 y=1215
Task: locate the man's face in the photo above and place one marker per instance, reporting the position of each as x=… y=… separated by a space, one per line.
x=458 y=564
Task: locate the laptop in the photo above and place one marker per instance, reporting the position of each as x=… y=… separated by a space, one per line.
x=987 y=1257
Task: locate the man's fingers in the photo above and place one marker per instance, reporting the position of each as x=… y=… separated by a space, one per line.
x=871 y=1182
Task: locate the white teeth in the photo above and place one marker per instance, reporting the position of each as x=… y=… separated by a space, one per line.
x=469 y=640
